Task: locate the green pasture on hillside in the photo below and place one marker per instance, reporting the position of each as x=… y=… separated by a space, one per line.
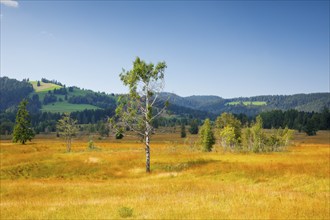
x=66 y=107
x=44 y=86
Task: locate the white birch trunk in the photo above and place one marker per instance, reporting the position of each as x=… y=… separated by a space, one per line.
x=147 y=152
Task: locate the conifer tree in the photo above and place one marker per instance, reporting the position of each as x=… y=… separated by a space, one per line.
x=193 y=127
x=206 y=136
x=310 y=127
x=22 y=130
x=183 y=131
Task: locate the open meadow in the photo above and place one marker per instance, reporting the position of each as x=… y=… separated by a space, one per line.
x=40 y=180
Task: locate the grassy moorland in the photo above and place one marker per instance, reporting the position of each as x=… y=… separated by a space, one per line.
x=41 y=181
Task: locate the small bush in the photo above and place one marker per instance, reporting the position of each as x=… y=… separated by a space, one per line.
x=91 y=145
x=119 y=135
x=125 y=212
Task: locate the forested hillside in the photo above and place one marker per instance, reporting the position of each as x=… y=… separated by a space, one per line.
x=53 y=96
x=314 y=102
x=12 y=92
x=48 y=99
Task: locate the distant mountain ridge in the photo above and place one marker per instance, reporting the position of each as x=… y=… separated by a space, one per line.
x=12 y=91
x=252 y=105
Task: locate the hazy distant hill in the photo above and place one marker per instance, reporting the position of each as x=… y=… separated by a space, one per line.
x=253 y=105
x=55 y=97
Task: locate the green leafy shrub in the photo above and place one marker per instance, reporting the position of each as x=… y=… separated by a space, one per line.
x=125 y=212
x=91 y=145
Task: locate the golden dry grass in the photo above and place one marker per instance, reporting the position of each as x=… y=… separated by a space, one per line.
x=41 y=181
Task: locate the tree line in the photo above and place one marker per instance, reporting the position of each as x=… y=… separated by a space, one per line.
x=233 y=136
x=46 y=121
x=293 y=119
x=310 y=122
x=44 y=80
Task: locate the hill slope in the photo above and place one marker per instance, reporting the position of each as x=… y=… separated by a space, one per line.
x=55 y=97
x=252 y=105
x=12 y=92
x=44 y=86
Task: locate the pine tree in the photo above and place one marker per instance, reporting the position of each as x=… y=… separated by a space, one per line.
x=310 y=128
x=193 y=127
x=206 y=136
x=22 y=130
x=183 y=131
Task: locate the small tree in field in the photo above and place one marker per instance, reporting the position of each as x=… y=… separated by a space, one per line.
x=228 y=120
x=138 y=110
x=67 y=127
x=228 y=138
x=22 y=130
x=310 y=128
x=193 y=127
x=258 y=135
x=206 y=136
x=183 y=131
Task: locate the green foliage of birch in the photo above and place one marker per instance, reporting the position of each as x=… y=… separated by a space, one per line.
x=139 y=108
x=67 y=128
x=250 y=139
x=228 y=138
x=258 y=135
x=227 y=119
x=247 y=140
x=256 y=140
x=229 y=129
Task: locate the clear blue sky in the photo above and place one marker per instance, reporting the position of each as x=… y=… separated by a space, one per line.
x=224 y=48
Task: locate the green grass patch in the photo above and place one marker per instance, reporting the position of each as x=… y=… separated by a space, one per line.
x=76 y=92
x=66 y=107
x=60 y=106
x=255 y=103
x=44 y=86
x=125 y=212
x=178 y=167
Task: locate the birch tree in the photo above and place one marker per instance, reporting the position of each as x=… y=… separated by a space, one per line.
x=141 y=106
x=68 y=129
